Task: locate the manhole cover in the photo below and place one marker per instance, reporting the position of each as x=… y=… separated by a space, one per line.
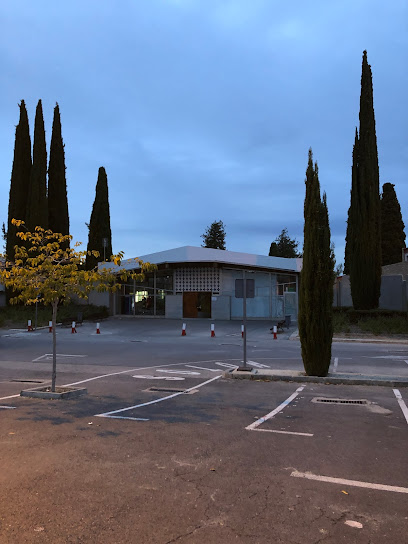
x=325 y=400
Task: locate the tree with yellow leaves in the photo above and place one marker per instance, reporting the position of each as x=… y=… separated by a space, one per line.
x=46 y=270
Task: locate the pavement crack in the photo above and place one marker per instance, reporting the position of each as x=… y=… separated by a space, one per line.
x=185 y=535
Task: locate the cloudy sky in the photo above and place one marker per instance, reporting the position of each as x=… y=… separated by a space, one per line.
x=202 y=110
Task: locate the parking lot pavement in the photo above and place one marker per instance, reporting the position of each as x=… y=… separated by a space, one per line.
x=186 y=468
x=163 y=449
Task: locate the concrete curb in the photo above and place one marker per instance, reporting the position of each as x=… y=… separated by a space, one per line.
x=331 y=379
x=63 y=393
x=367 y=340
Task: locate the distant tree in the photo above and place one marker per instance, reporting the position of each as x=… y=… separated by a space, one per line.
x=99 y=225
x=284 y=246
x=363 y=239
x=58 y=219
x=315 y=317
x=214 y=236
x=20 y=179
x=392 y=226
x=48 y=271
x=37 y=207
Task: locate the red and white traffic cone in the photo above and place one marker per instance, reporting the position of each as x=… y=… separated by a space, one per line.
x=29 y=326
x=183 y=330
x=73 y=329
x=212 y=331
x=49 y=326
x=242 y=331
x=275 y=330
x=98 y=329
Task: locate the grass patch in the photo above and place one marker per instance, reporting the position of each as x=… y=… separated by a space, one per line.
x=17 y=316
x=384 y=325
x=341 y=322
x=375 y=322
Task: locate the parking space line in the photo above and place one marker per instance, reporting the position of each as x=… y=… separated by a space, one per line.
x=281 y=432
x=354 y=483
x=402 y=404
x=124 y=417
x=158 y=400
x=261 y=420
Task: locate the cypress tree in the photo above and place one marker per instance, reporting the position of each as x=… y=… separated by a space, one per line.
x=392 y=226
x=99 y=225
x=58 y=219
x=363 y=243
x=20 y=179
x=315 y=317
x=37 y=209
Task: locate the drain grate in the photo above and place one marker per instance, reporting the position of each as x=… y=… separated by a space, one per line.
x=325 y=400
x=27 y=381
x=165 y=390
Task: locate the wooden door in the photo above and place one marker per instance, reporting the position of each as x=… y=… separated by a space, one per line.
x=190 y=301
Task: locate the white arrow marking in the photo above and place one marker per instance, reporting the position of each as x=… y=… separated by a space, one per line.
x=186 y=372
x=259 y=365
x=168 y=378
x=226 y=365
x=203 y=368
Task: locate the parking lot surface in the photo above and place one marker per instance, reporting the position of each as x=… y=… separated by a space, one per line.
x=163 y=449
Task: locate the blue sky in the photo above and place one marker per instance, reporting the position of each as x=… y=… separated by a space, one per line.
x=202 y=110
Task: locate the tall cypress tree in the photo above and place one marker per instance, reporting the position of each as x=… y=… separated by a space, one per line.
x=354 y=194
x=99 y=225
x=20 y=179
x=58 y=219
x=392 y=226
x=37 y=208
x=363 y=243
x=315 y=317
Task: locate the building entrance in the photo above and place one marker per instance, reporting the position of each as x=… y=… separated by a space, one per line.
x=196 y=304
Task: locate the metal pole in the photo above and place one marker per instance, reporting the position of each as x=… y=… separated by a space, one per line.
x=244 y=318
x=36 y=313
x=154 y=293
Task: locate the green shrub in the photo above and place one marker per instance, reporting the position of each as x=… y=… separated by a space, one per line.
x=19 y=315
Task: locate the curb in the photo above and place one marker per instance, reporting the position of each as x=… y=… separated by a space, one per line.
x=43 y=393
x=368 y=340
x=386 y=381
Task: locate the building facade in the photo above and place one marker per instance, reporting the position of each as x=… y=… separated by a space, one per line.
x=197 y=282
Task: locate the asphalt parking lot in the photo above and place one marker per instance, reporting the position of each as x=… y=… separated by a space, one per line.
x=164 y=449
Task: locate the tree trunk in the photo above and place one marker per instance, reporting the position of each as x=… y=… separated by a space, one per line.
x=54 y=343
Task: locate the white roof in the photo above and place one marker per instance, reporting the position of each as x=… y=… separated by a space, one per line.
x=192 y=254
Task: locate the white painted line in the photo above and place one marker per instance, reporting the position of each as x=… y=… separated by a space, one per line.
x=336 y=362
x=276 y=411
x=402 y=404
x=48 y=356
x=282 y=432
x=226 y=365
x=124 y=417
x=406 y=361
x=259 y=365
x=117 y=374
x=7 y=407
x=186 y=372
x=167 y=378
x=203 y=368
x=354 y=483
x=158 y=400
x=10 y=397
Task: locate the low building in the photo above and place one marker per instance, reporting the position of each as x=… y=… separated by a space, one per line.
x=194 y=282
